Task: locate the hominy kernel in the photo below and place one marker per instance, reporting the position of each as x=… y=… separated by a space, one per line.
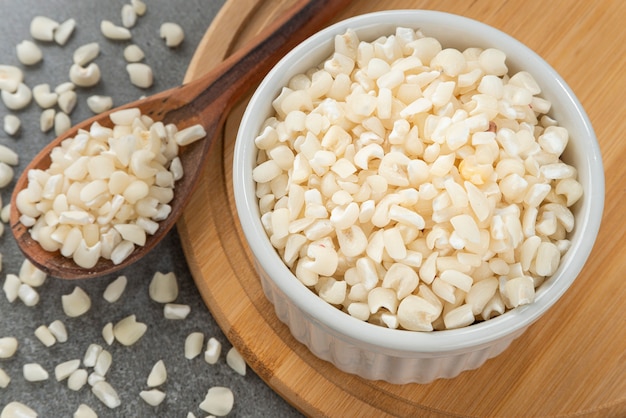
x=44 y=335
x=28 y=53
x=152 y=397
x=28 y=295
x=76 y=303
x=106 y=394
x=4 y=379
x=34 y=372
x=235 y=361
x=128 y=331
x=84 y=411
x=172 y=33
x=57 y=328
x=213 y=350
x=8 y=347
x=218 y=401
x=113 y=32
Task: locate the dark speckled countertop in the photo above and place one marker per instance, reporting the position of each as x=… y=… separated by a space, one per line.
x=188 y=380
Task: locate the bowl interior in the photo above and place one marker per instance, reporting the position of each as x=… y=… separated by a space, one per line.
x=452 y=31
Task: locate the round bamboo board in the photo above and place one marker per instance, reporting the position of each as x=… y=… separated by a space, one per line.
x=572 y=362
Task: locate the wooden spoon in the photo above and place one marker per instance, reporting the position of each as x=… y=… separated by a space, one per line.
x=206 y=101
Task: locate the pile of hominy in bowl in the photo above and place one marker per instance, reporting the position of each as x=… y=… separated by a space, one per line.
x=420 y=171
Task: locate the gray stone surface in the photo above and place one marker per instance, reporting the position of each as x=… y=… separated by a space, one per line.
x=188 y=380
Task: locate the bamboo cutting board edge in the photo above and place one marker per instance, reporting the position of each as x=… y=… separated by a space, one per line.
x=222 y=267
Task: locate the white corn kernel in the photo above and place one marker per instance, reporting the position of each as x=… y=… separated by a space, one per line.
x=107 y=333
x=63 y=32
x=480 y=293
x=8 y=156
x=6 y=174
x=140 y=74
x=218 y=401
x=107 y=395
x=42 y=28
x=63 y=87
x=115 y=289
x=28 y=295
x=176 y=311
x=46 y=121
x=10 y=78
x=172 y=33
x=125 y=116
x=129 y=16
x=128 y=331
x=5 y=379
x=43 y=96
x=457 y=279
x=461 y=316
x=163 y=287
x=12 y=124
x=94 y=378
x=85 y=76
x=402 y=279
x=44 y=335
x=193 y=345
x=76 y=303
x=213 y=350
x=77 y=380
x=67 y=101
x=84 y=54
x=91 y=355
x=188 y=135
x=98 y=104
x=18 y=99
x=33 y=372
x=519 y=291
x=235 y=361
x=84 y=411
x=62 y=123
x=103 y=363
x=63 y=370
x=152 y=397
x=139 y=6
x=57 y=328
x=379 y=298
x=493 y=61
x=132 y=233
x=122 y=251
x=451 y=61
x=5 y=213
x=8 y=347
x=416 y=313
x=359 y=310
x=113 y=32
x=11 y=287
x=157 y=375
x=31 y=275
x=18 y=410
x=28 y=53
x=133 y=53
x=548 y=259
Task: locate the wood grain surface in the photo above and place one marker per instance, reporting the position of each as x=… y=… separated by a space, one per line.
x=572 y=362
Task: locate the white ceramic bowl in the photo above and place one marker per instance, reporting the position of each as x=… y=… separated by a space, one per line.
x=397 y=356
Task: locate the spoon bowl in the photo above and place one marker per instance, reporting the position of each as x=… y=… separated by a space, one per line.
x=205 y=101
